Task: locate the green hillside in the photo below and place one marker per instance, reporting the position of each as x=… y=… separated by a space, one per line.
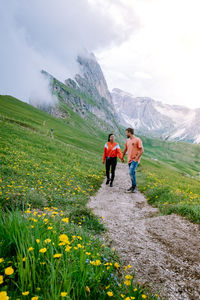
x=50 y=246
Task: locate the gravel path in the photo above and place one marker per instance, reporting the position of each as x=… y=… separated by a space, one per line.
x=164 y=250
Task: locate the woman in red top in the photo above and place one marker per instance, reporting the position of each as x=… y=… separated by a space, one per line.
x=111 y=151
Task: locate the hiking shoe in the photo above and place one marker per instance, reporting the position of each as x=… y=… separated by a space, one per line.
x=130 y=189
x=134 y=190
x=107 y=181
x=111 y=184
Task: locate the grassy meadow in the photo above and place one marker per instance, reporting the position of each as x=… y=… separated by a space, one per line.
x=50 y=242
x=169 y=177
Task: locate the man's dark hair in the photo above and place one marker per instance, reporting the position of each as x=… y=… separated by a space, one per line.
x=131 y=130
x=109 y=136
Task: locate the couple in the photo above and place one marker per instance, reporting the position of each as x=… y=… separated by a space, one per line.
x=134 y=149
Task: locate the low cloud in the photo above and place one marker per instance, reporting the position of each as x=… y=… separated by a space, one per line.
x=48 y=35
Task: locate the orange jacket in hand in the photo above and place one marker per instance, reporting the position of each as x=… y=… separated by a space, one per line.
x=112 y=150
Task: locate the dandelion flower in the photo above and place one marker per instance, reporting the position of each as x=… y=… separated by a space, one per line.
x=144 y=296
x=110 y=294
x=25 y=293
x=63 y=294
x=127 y=282
x=43 y=250
x=67 y=249
x=37 y=241
x=1 y=260
x=34 y=298
x=47 y=241
x=57 y=255
x=1 y=279
x=30 y=249
x=66 y=220
x=129 y=277
x=4 y=296
x=116 y=265
x=9 y=271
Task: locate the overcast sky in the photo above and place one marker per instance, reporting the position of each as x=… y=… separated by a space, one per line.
x=145 y=47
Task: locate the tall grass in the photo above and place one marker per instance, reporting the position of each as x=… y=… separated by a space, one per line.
x=169 y=190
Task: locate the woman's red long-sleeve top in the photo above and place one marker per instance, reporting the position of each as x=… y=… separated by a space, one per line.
x=112 y=150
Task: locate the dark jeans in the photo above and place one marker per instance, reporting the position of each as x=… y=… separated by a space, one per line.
x=111 y=162
x=132 y=167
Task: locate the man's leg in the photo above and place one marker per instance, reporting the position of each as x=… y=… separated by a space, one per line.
x=108 y=170
x=113 y=167
x=132 y=168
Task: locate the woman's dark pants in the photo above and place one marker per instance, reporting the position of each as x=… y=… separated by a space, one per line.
x=111 y=162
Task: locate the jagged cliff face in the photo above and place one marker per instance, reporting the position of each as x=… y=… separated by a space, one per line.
x=86 y=94
x=155 y=118
x=91 y=79
x=90 y=83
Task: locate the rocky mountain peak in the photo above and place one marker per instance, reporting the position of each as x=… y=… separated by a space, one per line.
x=91 y=79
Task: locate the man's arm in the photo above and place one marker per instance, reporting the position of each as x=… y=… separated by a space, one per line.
x=139 y=154
x=124 y=152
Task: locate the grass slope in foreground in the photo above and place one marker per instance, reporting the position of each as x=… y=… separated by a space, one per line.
x=169 y=177
x=49 y=244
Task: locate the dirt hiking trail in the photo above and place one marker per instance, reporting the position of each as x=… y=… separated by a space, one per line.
x=164 y=250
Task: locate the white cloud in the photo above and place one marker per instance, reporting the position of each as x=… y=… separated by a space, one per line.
x=166 y=47
x=48 y=35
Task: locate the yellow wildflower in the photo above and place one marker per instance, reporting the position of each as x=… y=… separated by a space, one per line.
x=144 y=296
x=43 y=250
x=35 y=298
x=30 y=249
x=1 y=260
x=4 y=296
x=37 y=241
x=129 y=277
x=9 y=271
x=64 y=238
x=116 y=265
x=127 y=282
x=110 y=294
x=67 y=249
x=63 y=294
x=25 y=293
x=47 y=241
x=1 y=279
x=66 y=220
x=57 y=255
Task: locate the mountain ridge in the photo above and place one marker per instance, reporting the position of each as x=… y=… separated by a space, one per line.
x=169 y=122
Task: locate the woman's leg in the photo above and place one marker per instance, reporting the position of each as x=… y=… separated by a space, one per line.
x=108 y=170
x=113 y=167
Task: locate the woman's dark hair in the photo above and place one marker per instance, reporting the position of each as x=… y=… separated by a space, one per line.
x=109 y=136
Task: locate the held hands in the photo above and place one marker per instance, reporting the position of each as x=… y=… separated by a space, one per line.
x=122 y=160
